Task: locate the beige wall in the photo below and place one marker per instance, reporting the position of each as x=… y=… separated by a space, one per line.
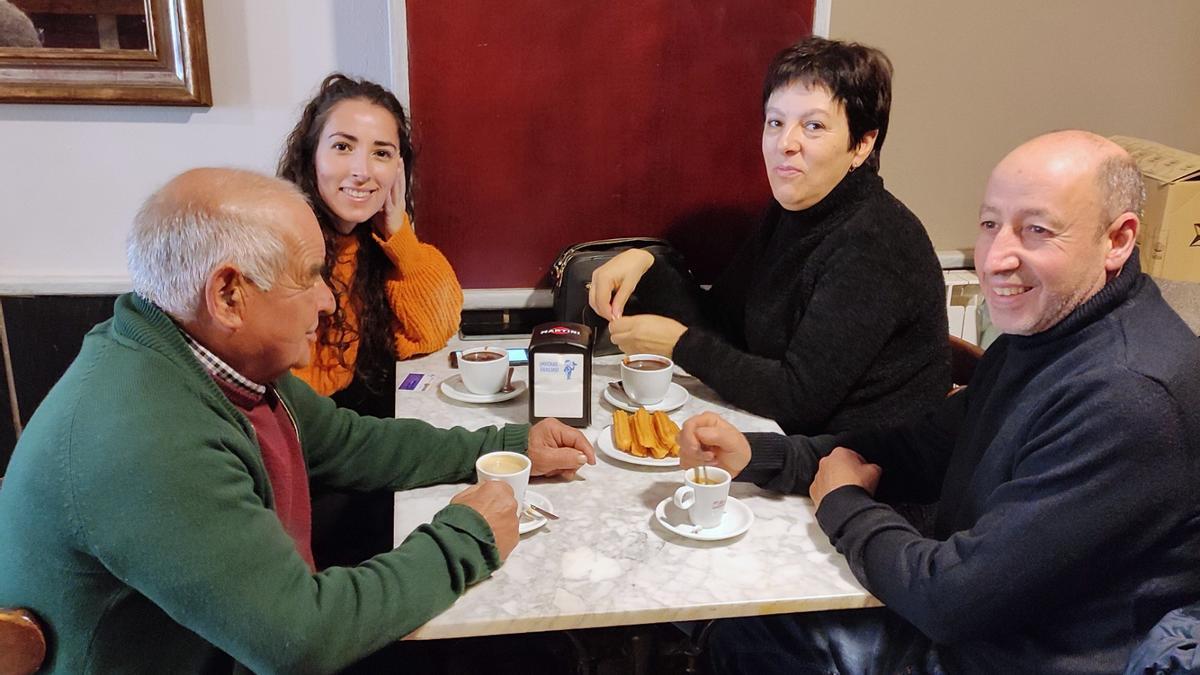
x=976 y=77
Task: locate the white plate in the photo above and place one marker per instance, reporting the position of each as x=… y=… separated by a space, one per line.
x=530 y=523
x=454 y=388
x=676 y=397
x=604 y=441
x=737 y=519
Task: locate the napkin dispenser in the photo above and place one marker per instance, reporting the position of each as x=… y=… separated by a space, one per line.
x=560 y=373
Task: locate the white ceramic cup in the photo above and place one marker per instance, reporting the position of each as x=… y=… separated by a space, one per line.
x=484 y=377
x=705 y=504
x=509 y=467
x=646 y=387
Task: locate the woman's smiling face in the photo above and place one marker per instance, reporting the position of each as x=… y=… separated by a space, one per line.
x=357 y=161
x=806 y=145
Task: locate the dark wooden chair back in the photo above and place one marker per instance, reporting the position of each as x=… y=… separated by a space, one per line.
x=22 y=644
x=964 y=356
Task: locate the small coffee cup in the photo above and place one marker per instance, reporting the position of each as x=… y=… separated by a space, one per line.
x=510 y=467
x=484 y=369
x=703 y=495
x=646 y=377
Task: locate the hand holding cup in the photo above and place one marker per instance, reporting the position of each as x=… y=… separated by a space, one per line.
x=495 y=502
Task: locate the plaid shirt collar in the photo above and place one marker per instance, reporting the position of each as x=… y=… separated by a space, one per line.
x=222 y=371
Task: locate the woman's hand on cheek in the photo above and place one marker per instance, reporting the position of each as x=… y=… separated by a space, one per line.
x=390 y=219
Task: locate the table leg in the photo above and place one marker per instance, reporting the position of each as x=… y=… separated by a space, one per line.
x=584 y=661
x=641 y=652
x=695 y=647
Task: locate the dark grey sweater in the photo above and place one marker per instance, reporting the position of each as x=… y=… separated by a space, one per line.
x=1069 y=519
x=827 y=319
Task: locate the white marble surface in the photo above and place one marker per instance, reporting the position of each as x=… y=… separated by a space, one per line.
x=607 y=561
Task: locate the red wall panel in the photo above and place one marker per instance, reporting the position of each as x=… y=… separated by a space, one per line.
x=541 y=123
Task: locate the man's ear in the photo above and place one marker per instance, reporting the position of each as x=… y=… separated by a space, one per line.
x=225 y=297
x=1121 y=235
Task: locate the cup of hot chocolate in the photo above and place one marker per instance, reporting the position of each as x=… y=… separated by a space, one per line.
x=484 y=369
x=646 y=377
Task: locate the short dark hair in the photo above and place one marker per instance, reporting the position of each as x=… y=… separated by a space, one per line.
x=857 y=76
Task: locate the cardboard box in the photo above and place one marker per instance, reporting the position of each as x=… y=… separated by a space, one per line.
x=1170 y=233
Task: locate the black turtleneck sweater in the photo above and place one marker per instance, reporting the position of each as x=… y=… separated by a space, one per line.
x=1069 y=519
x=827 y=319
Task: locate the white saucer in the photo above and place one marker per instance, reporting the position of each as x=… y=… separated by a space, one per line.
x=737 y=519
x=676 y=397
x=604 y=441
x=530 y=523
x=454 y=388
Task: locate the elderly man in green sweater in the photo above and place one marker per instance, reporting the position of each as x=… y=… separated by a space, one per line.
x=155 y=514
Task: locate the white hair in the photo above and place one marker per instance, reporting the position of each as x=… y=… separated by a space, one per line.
x=181 y=236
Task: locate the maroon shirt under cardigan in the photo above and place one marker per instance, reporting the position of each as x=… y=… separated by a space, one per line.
x=286 y=470
x=278 y=440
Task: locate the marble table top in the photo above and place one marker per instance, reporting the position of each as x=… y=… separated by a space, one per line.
x=607 y=561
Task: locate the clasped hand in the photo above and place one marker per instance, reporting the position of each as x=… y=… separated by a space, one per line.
x=843 y=467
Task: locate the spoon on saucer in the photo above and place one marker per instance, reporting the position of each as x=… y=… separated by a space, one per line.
x=508 y=385
x=618 y=387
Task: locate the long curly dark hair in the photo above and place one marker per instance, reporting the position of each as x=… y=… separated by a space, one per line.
x=377 y=323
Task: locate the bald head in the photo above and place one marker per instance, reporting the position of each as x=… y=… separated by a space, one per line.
x=1088 y=158
x=205 y=218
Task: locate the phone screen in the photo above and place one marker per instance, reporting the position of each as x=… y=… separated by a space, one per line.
x=517 y=356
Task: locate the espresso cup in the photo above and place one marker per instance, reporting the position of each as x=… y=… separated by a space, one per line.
x=646 y=377
x=484 y=369
x=509 y=467
x=704 y=500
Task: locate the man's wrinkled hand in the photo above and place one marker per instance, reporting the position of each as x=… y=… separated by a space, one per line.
x=556 y=449
x=494 y=500
x=843 y=467
x=708 y=440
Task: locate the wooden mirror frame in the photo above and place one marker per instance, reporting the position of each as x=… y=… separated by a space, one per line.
x=173 y=71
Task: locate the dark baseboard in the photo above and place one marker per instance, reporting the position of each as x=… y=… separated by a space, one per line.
x=44 y=335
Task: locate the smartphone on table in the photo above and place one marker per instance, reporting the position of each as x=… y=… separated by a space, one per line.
x=517 y=356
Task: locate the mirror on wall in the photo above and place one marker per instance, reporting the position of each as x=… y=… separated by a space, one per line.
x=104 y=51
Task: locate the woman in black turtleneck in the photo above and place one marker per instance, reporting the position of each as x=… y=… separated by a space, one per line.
x=832 y=315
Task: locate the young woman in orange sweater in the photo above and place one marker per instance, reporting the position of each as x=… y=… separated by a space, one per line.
x=351 y=153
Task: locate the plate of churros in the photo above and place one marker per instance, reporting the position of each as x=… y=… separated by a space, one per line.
x=645 y=438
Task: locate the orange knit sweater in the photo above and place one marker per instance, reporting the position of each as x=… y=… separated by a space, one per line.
x=424 y=294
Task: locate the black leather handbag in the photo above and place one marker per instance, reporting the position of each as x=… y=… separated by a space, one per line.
x=572 y=276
